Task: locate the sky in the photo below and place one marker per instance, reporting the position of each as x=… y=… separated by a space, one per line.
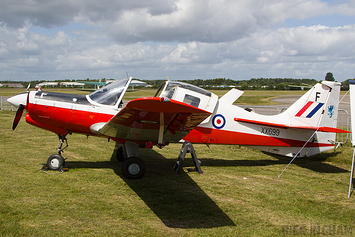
x=179 y=39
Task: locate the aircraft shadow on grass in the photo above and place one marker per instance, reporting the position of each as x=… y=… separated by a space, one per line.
x=177 y=200
x=314 y=163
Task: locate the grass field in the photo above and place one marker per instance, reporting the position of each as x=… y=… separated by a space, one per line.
x=239 y=193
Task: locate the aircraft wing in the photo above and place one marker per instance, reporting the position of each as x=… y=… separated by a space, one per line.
x=321 y=129
x=154 y=119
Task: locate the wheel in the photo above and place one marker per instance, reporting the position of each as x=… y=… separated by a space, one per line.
x=119 y=154
x=55 y=162
x=133 y=168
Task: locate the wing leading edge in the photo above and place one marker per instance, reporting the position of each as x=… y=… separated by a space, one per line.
x=153 y=119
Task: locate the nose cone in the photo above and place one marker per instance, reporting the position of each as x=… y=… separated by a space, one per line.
x=17 y=100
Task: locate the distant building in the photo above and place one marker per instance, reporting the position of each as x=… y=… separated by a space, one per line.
x=13 y=85
x=72 y=84
x=48 y=84
x=138 y=83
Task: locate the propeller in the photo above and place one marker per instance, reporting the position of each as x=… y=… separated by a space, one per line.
x=29 y=85
x=18 y=116
x=19 y=101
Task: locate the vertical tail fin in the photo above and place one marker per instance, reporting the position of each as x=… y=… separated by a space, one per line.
x=318 y=107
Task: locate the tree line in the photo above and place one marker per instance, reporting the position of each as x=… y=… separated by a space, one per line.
x=251 y=84
x=221 y=83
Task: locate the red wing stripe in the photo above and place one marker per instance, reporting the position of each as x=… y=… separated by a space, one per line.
x=304 y=109
x=335 y=130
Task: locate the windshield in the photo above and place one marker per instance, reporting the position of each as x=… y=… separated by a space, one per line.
x=109 y=94
x=160 y=89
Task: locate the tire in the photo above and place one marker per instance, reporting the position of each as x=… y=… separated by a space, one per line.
x=133 y=168
x=55 y=162
x=119 y=154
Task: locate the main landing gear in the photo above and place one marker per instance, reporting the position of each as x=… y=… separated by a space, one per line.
x=56 y=161
x=132 y=167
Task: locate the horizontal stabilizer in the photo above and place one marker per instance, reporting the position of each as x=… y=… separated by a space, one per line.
x=321 y=129
x=231 y=96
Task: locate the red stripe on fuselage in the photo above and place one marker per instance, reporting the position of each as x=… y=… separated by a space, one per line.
x=219 y=136
x=71 y=120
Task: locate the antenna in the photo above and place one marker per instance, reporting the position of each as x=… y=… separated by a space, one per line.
x=127 y=74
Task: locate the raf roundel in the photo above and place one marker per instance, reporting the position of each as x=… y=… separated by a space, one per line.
x=218 y=121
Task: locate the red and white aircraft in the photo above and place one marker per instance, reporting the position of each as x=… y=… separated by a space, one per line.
x=180 y=111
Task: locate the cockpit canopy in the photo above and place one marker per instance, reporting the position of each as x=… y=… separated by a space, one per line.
x=189 y=94
x=110 y=94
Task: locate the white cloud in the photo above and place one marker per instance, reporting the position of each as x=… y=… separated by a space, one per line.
x=178 y=38
x=60 y=38
x=161 y=20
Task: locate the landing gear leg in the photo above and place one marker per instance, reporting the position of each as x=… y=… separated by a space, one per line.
x=56 y=161
x=62 y=139
x=119 y=154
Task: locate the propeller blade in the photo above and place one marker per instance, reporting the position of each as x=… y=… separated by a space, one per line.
x=29 y=85
x=18 y=116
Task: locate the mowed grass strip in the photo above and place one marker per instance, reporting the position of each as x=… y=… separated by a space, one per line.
x=239 y=193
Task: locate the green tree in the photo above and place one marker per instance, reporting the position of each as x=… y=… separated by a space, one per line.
x=329 y=77
x=280 y=86
x=244 y=87
x=270 y=87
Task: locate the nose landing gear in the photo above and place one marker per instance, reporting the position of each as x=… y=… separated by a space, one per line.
x=56 y=161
